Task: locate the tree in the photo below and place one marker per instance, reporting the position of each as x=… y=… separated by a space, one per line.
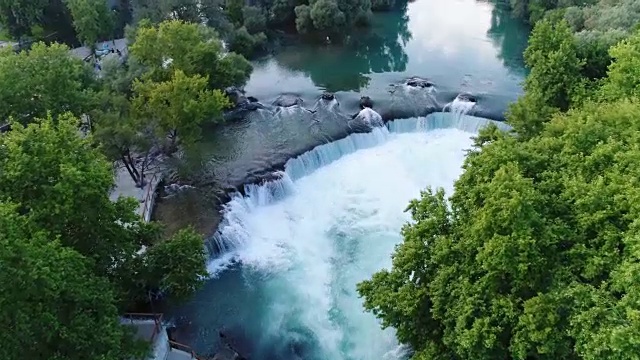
x=62 y=183
x=91 y=19
x=54 y=305
x=124 y=138
x=176 y=258
x=624 y=73
x=535 y=255
x=191 y=48
x=242 y=42
x=44 y=79
x=20 y=16
x=233 y=9
x=555 y=77
x=178 y=107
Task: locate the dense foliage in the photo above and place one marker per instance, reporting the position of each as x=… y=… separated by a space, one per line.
x=70 y=255
x=190 y=48
x=45 y=79
x=535 y=255
x=597 y=25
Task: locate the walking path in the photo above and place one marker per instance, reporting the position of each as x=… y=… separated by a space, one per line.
x=146 y=196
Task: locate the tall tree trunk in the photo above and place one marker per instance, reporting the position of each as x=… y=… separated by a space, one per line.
x=132 y=164
x=131 y=172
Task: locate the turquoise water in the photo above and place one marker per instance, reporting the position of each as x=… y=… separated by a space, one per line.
x=284 y=288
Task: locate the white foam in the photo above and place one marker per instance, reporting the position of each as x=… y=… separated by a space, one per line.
x=459 y=107
x=370 y=116
x=331 y=222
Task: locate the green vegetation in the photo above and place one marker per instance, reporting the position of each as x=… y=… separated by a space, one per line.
x=70 y=256
x=72 y=259
x=45 y=79
x=597 y=25
x=535 y=255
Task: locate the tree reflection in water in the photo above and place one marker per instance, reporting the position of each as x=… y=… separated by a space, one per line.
x=344 y=66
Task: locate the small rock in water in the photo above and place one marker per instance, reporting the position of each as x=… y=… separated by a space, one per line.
x=418 y=82
x=467 y=97
x=235 y=94
x=287 y=100
x=366 y=102
x=328 y=96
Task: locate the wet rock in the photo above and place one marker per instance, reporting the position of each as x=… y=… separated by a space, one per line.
x=328 y=96
x=467 y=97
x=419 y=82
x=287 y=100
x=366 y=102
x=235 y=95
x=252 y=99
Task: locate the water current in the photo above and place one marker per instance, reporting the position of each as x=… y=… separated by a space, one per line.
x=321 y=194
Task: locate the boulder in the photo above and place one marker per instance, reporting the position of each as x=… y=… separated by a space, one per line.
x=328 y=96
x=287 y=100
x=419 y=82
x=366 y=102
x=235 y=95
x=467 y=97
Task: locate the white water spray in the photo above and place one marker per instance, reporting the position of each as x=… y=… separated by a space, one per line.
x=370 y=117
x=459 y=106
x=330 y=222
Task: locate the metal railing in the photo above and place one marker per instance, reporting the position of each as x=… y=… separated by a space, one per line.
x=149 y=197
x=185 y=348
x=157 y=320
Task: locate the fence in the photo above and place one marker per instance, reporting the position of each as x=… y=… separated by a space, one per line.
x=157 y=322
x=184 y=348
x=149 y=198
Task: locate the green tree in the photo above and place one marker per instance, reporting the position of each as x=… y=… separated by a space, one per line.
x=19 y=17
x=233 y=9
x=624 y=73
x=178 y=107
x=555 y=78
x=54 y=305
x=92 y=20
x=176 y=258
x=124 y=138
x=534 y=256
x=242 y=42
x=254 y=19
x=63 y=183
x=191 y=48
x=44 y=79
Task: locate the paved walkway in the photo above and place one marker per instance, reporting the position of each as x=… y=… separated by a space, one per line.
x=146 y=196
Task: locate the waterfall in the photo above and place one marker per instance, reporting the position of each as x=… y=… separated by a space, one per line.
x=231 y=233
x=460 y=106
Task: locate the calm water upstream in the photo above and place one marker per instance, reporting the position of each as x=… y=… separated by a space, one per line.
x=288 y=254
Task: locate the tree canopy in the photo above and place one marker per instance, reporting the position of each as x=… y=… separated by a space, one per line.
x=535 y=255
x=58 y=215
x=44 y=79
x=91 y=19
x=51 y=300
x=193 y=49
x=179 y=106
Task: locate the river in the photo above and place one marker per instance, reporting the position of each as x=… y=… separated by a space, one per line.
x=287 y=254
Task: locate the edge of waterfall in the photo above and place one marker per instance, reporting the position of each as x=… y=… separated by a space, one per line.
x=230 y=234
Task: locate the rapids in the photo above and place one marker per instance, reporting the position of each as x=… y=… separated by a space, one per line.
x=295 y=248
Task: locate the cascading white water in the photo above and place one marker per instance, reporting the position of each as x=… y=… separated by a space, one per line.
x=370 y=117
x=232 y=233
x=459 y=106
x=331 y=221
